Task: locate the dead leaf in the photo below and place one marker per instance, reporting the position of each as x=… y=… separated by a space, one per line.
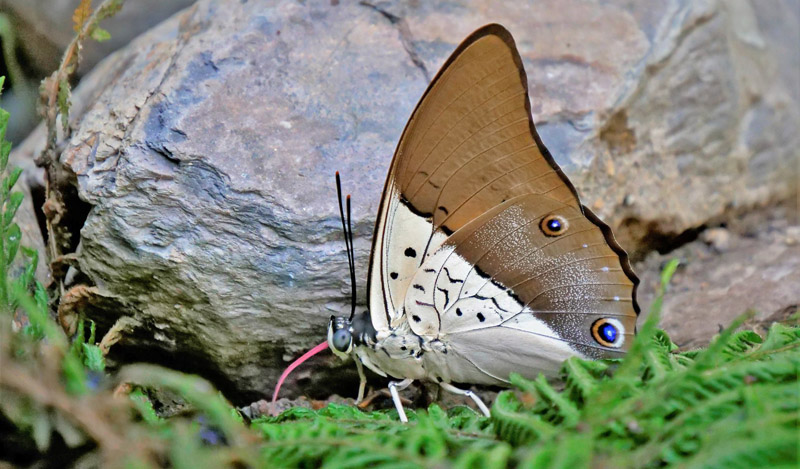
x=81 y=14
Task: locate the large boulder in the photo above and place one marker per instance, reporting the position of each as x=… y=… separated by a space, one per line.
x=207 y=148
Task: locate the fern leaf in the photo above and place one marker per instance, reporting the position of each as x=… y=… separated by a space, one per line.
x=778 y=337
x=81 y=14
x=568 y=413
x=570 y=452
x=768 y=449
x=109 y=9
x=99 y=34
x=517 y=427
x=714 y=355
x=580 y=384
x=497 y=456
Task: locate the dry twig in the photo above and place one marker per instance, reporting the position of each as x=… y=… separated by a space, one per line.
x=55 y=92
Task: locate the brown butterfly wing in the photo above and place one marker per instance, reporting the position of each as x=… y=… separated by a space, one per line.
x=469 y=146
x=568 y=281
x=471 y=142
x=504 y=293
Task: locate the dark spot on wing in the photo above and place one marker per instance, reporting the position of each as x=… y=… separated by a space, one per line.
x=393 y=275
x=458 y=312
x=410 y=252
x=444 y=210
x=419 y=287
x=446 y=296
x=430 y=271
x=416 y=318
x=497 y=305
x=451 y=279
x=413 y=209
x=481 y=318
x=494 y=300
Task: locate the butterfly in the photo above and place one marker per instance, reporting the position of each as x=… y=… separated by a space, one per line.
x=484 y=261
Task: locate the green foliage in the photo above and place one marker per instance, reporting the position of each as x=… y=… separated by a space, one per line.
x=680 y=416
x=99 y=34
x=343 y=436
x=10 y=233
x=109 y=8
x=106 y=9
x=8 y=44
x=742 y=412
x=85 y=350
x=734 y=404
x=145 y=408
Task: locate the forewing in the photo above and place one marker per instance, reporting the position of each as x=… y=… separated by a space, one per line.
x=469 y=146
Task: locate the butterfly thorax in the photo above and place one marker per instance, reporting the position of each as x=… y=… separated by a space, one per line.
x=398 y=353
x=401 y=353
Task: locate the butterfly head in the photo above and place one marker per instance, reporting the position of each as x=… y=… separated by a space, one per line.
x=340 y=336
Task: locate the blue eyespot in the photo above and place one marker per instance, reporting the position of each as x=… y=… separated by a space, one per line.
x=608 y=332
x=554 y=225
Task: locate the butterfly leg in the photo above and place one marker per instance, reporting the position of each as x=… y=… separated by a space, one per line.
x=466 y=392
x=395 y=386
x=362 y=385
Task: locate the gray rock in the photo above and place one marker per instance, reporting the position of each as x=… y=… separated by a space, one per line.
x=757 y=272
x=718 y=238
x=214 y=220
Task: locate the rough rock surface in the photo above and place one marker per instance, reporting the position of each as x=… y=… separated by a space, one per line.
x=753 y=264
x=214 y=220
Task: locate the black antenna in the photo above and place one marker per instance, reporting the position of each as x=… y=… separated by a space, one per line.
x=348 y=241
x=352 y=261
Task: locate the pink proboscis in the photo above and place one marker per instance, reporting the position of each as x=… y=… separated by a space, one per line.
x=291 y=368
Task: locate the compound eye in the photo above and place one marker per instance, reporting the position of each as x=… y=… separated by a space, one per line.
x=554 y=225
x=342 y=339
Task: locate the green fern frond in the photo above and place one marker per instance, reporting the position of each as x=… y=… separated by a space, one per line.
x=516 y=426
x=580 y=381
